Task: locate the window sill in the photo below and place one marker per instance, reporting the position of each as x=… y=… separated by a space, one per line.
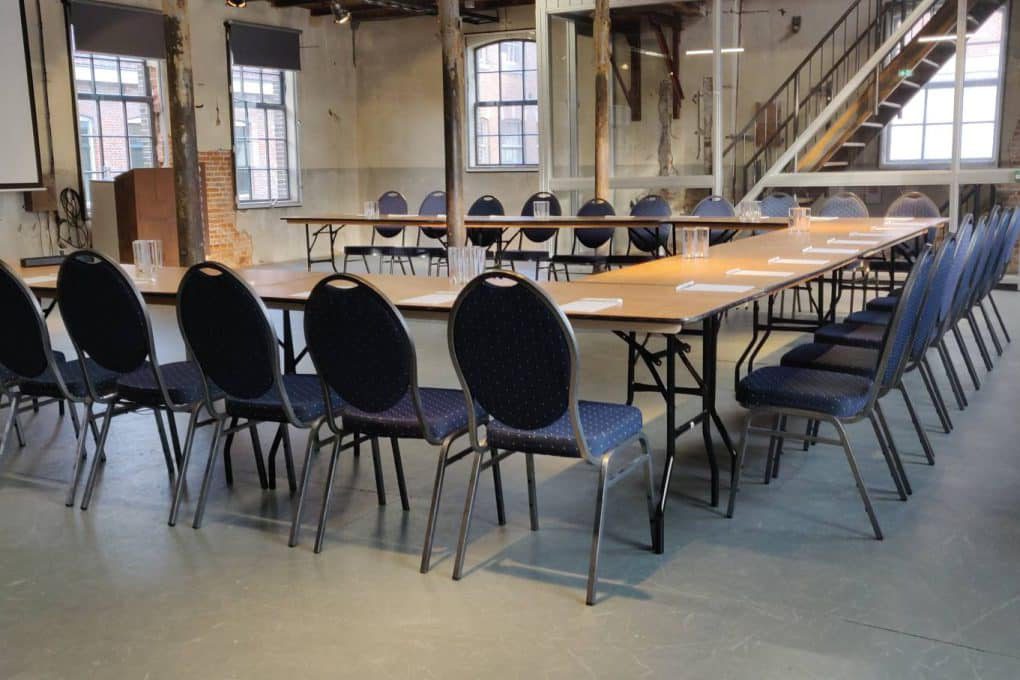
x=504 y=168
x=264 y=205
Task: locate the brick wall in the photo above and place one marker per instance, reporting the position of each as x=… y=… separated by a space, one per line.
x=224 y=242
x=1010 y=193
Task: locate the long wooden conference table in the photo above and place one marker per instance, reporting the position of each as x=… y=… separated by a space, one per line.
x=330 y=226
x=672 y=298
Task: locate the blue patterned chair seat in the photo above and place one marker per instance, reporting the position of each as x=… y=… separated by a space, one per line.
x=605 y=427
x=874 y=317
x=884 y=304
x=836 y=394
x=860 y=361
x=46 y=385
x=444 y=411
x=854 y=334
x=7 y=378
x=304 y=392
x=183 y=384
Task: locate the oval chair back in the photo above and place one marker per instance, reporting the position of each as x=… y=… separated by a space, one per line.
x=778 y=204
x=391 y=203
x=962 y=237
x=103 y=312
x=434 y=204
x=913 y=204
x=359 y=344
x=483 y=207
x=927 y=322
x=25 y=349
x=844 y=204
x=900 y=331
x=971 y=256
x=1011 y=238
x=595 y=238
x=716 y=206
x=226 y=329
x=514 y=353
x=650 y=239
x=994 y=243
x=538 y=235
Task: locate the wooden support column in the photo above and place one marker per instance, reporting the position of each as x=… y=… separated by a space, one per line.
x=181 y=91
x=601 y=37
x=451 y=33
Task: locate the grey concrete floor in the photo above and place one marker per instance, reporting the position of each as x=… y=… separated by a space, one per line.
x=792 y=587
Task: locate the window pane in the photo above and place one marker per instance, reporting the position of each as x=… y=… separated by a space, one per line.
x=280 y=188
x=938 y=142
x=139 y=121
x=940 y=105
x=510 y=120
x=531 y=120
x=133 y=76
x=115 y=156
x=260 y=185
x=243 y=186
x=277 y=153
x=905 y=142
x=531 y=150
x=276 y=120
x=113 y=123
x=511 y=53
x=487 y=120
x=106 y=75
x=83 y=75
x=488 y=150
x=530 y=55
x=980 y=103
x=978 y=141
x=272 y=89
x=913 y=112
x=141 y=152
x=511 y=151
x=487 y=58
x=488 y=87
x=512 y=86
x=531 y=85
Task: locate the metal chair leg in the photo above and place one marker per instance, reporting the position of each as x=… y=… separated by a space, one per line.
x=171 y=467
x=320 y=534
x=380 y=483
x=310 y=450
x=18 y=432
x=893 y=451
x=182 y=474
x=779 y=448
x=90 y=483
x=646 y=451
x=980 y=340
x=288 y=459
x=79 y=457
x=924 y=368
x=175 y=438
x=529 y=464
x=929 y=453
x=965 y=352
x=228 y=468
x=773 y=443
x=260 y=463
x=210 y=467
x=497 y=482
x=401 y=483
x=738 y=464
x=9 y=425
x=465 y=522
x=995 y=308
x=596 y=540
x=991 y=328
x=852 y=462
x=954 y=377
x=893 y=472
x=437 y=493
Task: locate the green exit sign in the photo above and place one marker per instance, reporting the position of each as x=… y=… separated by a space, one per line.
x=905 y=72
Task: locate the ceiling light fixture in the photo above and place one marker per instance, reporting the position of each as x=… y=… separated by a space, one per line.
x=941 y=38
x=341 y=15
x=237 y=4
x=725 y=50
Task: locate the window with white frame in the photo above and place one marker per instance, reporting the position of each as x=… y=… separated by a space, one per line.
x=265 y=136
x=121 y=121
x=923 y=132
x=503 y=100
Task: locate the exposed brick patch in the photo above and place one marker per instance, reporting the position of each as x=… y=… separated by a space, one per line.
x=224 y=242
x=1010 y=193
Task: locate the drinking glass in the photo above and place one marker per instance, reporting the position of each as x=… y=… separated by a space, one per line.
x=540 y=208
x=371 y=208
x=701 y=237
x=694 y=242
x=800 y=219
x=465 y=263
x=148 y=259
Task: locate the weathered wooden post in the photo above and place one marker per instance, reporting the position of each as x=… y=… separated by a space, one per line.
x=600 y=34
x=187 y=183
x=451 y=34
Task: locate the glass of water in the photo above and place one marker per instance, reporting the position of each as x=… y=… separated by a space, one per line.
x=371 y=209
x=540 y=208
x=694 y=242
x=800 y=219
x=148 y=259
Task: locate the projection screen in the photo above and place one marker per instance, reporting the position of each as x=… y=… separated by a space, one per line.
x=19 y=140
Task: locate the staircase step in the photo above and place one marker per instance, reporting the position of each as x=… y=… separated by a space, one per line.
x=891 y=105
x=872 y=124
x=855 y=145
x=931 y=63
x=835 y=164
x=911 y=84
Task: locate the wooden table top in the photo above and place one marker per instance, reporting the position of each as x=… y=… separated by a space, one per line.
x=647 y=293
x=564 y=222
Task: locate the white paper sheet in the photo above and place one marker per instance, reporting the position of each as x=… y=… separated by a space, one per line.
x=767 y=273
x=34 y=280
x=796 y=260
x=590 y=305
x=431 y=299
x=900 y=219
x=900 y=229
x=822 y=218
x=850 y=242
x=692 y=287
x=832 y=251
x=865 y=234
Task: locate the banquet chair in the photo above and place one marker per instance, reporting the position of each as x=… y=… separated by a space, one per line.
x=645 y=243
x=535 y=235
x=516 y=357
x=591 y=238
x=390 y=203
x=716 y=206
x=433 y=204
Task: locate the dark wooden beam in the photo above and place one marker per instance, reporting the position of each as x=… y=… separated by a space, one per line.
x=181 y=97
x=451 y=34
x=602 y=50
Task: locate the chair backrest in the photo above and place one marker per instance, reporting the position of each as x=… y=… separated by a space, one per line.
x=1010 y=240
x=25 y=349
x=716 y=206
x=514 y=353
x=596 y=237
x=844 y=204
x=103 y=312
x=984 y=242
x=949 y=293
x=913 y=204
x=996 y=250
x=227 y=330
x=434 y=204
x=359 y=343
x=391 y=203
x=777 y=204
x=483 y=207
x=900 y=331
x=528 y=210
x=927 y=321
x=650 y=239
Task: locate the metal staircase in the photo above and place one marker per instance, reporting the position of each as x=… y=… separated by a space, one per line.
x=897 y=42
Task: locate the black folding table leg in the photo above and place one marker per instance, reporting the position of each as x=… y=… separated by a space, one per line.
x=667 y=472
x=710 y=328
